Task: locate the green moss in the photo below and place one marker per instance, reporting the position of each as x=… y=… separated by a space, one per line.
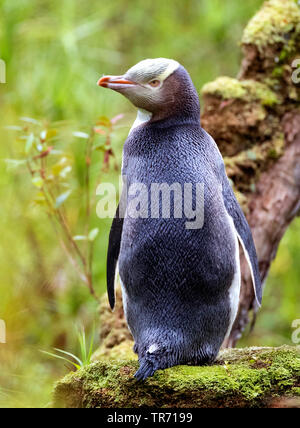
x=247 y=90
x=295 y=391
x=257 y=159
x=249 y=377
x=123 y=350
x=275 y=19
x=278 y=71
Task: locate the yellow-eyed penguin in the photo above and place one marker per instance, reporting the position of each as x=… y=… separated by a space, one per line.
x=175 y=235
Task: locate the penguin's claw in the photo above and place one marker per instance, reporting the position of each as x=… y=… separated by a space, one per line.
x=146 y=370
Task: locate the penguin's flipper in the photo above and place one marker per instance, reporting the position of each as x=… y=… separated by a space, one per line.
x=244 y=235
x=113 y=255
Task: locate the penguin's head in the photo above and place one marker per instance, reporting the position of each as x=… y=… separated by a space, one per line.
x=160 y=86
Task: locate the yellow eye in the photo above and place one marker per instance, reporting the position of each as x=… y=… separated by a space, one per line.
x=154 y=83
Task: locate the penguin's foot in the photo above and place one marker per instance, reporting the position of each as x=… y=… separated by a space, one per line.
x=146 y=370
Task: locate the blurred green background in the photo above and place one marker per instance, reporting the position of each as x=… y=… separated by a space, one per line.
x=54 y=52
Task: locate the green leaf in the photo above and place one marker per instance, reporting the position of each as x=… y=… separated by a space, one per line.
x=80 y=238
x=40 y=199
x=29 y=143
x=82 y=344
x=91 y=348
x=104 y=121
x=56 y=152
x=48 y=134
x=65 y=171
x=100 y=148
x=30 y=120
x=62 y=198
x=13 y=128
x=37 y=182
x=81 y=135
x=61 y=166
x=14 y=163
x=69 y=354
x=93 y=234
x=58 y=357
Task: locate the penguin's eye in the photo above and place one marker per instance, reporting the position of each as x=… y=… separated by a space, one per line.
x=154 y=83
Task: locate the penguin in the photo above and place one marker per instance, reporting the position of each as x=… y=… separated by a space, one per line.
x=180 y=282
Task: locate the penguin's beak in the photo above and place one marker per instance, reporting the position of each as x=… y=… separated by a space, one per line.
x=114 y=82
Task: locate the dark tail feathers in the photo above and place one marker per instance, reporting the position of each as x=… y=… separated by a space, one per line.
x=146 y=370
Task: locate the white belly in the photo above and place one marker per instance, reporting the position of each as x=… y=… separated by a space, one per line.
x=235 y=288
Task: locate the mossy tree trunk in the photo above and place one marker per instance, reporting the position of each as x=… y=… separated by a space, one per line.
x=255 y=120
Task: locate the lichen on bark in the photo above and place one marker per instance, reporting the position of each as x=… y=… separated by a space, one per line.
x=249 y=377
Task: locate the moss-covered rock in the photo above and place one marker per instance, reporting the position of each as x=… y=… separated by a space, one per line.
x=247 y=90
x=270 y=43
x=273 y=23
x=249 y=377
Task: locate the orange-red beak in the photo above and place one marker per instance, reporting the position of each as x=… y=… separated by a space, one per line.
x=113 y=82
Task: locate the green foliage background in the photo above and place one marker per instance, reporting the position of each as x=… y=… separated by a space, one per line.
x=54 y=52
